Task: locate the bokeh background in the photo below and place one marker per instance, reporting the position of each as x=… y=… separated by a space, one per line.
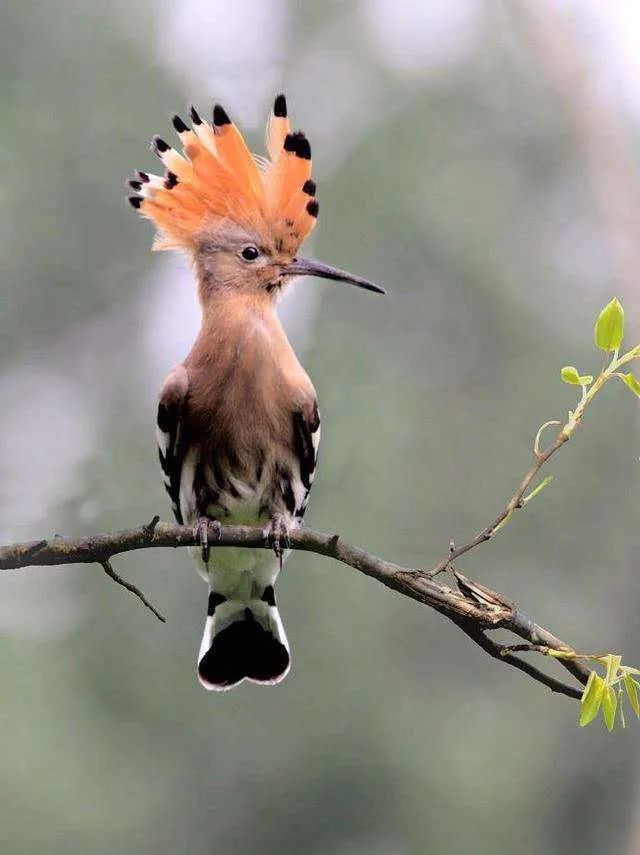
x=480 y=158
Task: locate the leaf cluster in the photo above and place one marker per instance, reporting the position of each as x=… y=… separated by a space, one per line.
x=608 y=334
x=606 y=694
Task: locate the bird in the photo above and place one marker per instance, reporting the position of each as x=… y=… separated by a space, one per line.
x=238 y=424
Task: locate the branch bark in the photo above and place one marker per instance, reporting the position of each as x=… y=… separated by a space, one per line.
x=474 y=608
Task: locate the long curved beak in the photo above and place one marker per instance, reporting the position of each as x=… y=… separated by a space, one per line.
x=311 y=267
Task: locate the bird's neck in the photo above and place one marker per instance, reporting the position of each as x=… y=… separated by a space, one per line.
x=230 y=314
x=238 y=326
x=242 y=359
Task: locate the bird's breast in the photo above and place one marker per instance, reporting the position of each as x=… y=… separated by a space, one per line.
x=242 y=491
x=245 y=385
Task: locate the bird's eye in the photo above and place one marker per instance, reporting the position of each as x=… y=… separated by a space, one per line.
x=250 y=253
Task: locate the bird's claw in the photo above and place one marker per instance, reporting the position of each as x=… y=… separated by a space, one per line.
x=276 y=534
x=202 y=533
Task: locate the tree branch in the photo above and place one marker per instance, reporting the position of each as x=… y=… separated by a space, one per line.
x=475 y=609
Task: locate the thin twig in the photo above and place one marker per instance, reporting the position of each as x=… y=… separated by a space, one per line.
x=108 y=569
x=525 y=648
x=150 y=526
x=514 y=504
x=520 y=498
x=503 y=653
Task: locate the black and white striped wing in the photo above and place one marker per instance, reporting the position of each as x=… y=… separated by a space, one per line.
x=171 y=448
x=306 y=441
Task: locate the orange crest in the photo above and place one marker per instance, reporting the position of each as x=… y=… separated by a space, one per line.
x=217 y=179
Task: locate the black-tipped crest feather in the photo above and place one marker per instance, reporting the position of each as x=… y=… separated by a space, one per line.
x=220 y=116
x=159 y=146
x=179 y=125
x=280 y=107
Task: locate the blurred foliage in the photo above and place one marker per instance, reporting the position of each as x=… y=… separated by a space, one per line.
x=463 y=192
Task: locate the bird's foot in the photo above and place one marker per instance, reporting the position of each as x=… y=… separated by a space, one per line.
x=276 y=534
x=201 y=531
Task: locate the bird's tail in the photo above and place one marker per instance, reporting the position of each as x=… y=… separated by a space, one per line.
x=243 y=639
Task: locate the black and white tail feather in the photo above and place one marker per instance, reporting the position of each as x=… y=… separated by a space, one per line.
x=243 y=640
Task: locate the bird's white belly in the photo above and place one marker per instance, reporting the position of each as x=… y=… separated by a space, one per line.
x=239 y=573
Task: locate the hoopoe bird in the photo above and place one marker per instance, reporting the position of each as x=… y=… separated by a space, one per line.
x=238 y=425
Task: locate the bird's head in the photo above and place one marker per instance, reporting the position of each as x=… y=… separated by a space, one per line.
x=241 y=218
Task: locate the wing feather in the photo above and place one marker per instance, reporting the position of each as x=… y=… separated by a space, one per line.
x=171 y=448
x=306 y=440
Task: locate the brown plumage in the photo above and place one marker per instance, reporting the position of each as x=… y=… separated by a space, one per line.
x=238 y=422
x=245 y=364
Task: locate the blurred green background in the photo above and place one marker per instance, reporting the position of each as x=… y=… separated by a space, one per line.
x=479 y=158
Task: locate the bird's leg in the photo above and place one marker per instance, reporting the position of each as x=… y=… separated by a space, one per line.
x=201 y=530
x=276 y=533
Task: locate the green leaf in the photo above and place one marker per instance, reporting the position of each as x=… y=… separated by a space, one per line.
x=632 y=382
x=569 y=374
x=609 y=706
x=613 y=664
x=632 y=686
x=609 y=328
x=538 y=489
x=591 y=699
